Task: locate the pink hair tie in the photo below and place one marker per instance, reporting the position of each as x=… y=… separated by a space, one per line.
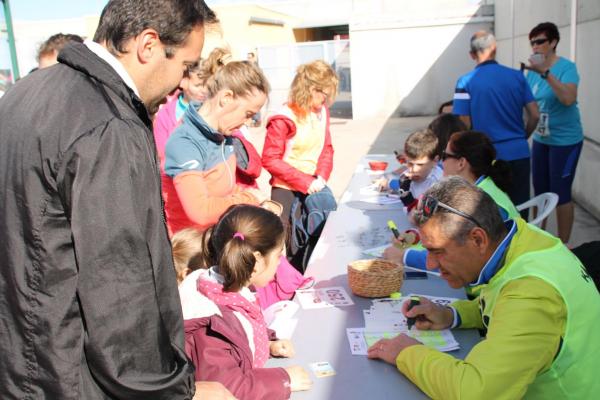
x=238 y=235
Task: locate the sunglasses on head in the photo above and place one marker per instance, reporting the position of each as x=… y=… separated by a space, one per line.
x=538 y=41
x=430 y=204
x=446 y=155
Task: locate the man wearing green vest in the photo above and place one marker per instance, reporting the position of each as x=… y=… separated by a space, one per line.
x=539 y=306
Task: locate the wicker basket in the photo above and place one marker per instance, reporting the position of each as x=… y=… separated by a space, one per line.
x=374 y=278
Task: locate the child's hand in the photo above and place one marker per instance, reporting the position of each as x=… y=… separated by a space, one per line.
x=282 y=348
x=299 y=379
x=394 y=254
x=382 y=184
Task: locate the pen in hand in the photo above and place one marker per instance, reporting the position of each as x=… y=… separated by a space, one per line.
x=414 y=301
x=393 y=228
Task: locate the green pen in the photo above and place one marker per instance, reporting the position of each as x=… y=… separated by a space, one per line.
x=393 y=228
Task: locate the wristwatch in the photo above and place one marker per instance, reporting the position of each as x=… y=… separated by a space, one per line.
x=545 y=74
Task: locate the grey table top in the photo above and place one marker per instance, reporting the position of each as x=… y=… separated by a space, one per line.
x=321 y=333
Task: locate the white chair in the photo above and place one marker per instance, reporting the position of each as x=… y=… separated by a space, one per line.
x=545 y=203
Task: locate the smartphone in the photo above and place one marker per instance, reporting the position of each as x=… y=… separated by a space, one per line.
x=537 y=58
x=415 y=275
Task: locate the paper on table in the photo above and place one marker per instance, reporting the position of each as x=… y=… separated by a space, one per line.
x=371 y=190
x=279 y=317
x=360 y=339
x=284 y=328
x=383 y=199
x=376 y=252
x=385 y=320
x=323 y=297
x=281 y=309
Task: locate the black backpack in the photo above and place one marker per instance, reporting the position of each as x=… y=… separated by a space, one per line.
x=307 y=218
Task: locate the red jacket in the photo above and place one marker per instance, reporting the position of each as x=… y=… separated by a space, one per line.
x=279 y=130
x=218 y=346
x=246 y=175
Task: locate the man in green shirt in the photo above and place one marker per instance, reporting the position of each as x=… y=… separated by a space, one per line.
x=539 y=306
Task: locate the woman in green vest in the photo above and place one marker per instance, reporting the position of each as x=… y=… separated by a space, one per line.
x=472 y=156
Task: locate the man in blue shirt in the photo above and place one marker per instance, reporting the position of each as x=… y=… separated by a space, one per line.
x=491 y=99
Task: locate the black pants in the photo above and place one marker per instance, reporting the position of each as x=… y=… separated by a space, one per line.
x=296 y=256
x=520 y=190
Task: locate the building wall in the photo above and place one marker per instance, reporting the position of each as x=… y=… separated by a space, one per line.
x=406 y=56
x=513 y=47
x=237 y=32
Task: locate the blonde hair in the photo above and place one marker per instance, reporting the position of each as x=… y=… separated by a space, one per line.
x=315 y=75
x=188 y=248
x=215 y=60
x=241 y=77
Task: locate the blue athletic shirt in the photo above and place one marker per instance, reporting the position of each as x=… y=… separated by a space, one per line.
x=494 y=96
x=564 y=122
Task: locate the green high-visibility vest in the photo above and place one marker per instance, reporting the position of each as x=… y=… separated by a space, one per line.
x=499 y=197
x=533 y=252
x=502 y=200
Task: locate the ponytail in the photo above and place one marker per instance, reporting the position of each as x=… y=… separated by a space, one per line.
x=241 y=231
x=236 y=264
x=241 y=77
x=214 y=62
x=501 y=174
x=478 y=150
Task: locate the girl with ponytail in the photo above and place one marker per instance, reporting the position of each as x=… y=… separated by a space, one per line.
x=226 y=335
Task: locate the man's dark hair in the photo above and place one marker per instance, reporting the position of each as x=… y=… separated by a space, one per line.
x=548 y=29
x=456 y=192
x=122 y=20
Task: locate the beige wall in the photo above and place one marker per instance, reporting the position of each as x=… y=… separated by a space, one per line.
x=241 y=36
x=235 y=31
x=513 y=47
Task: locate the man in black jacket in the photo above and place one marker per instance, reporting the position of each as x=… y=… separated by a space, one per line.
x=89 y=307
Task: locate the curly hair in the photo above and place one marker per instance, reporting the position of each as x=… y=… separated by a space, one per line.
x=315 y=75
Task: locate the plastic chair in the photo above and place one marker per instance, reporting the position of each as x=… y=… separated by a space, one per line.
x=545 y=203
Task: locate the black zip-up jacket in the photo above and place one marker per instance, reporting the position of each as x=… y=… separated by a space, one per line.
x=89 y=307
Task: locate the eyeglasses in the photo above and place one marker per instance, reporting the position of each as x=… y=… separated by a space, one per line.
x=430 y=204
x=446 y=155
x=538 y=41
x=324 y=93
